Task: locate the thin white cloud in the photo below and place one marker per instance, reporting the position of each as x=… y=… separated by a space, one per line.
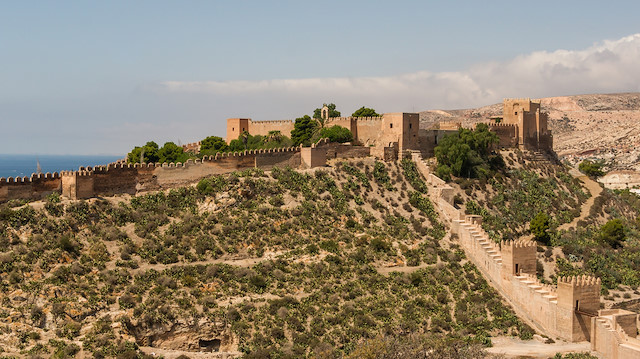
x=190 y=111
x=610 y=66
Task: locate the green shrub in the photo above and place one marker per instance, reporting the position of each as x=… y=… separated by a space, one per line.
x=591 y=169
x=539 y=226
x=612 y=233
x=336 y=134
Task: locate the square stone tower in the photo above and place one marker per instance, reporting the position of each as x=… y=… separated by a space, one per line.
x=235 y=126
x=531 y=122
x=578 y=301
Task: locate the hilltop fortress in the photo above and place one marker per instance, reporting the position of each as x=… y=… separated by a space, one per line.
x=388 y=137
x=522 y=125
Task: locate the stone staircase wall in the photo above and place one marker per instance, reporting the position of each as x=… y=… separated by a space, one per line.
x=610 y=339
x=510 y=268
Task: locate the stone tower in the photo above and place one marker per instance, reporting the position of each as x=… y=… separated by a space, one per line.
x=531 y=122
x=578 y=301
x=236 y=126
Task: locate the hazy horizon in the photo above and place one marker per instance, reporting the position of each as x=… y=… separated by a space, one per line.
x=101 y=78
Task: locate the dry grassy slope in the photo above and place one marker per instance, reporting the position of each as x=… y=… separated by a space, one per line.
x=603 y=126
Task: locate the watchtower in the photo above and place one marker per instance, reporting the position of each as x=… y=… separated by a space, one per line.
x=578 y=301
x=532 y=131
x=518 y=257
x=235 y=127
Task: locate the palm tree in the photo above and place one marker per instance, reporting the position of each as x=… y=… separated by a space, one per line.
x=275 y=136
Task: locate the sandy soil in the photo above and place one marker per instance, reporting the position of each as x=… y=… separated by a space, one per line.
x=511 y=347
x=594 y=188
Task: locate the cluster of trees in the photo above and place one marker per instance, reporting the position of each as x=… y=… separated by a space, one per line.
x=365 y=112
x=151 y=153
x=246 y=141
x=468 y=153
x=611 y=233
x=306 y=130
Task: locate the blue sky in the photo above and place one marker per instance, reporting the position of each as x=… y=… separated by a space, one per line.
x=101 y=77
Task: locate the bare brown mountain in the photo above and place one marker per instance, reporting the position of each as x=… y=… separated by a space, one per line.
x=600 y=126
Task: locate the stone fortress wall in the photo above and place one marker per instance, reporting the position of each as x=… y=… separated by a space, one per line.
x=388 y=137
x=118 y=178
x=569 y=311
x=399 y=130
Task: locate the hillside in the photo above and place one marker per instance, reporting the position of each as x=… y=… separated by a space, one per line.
x=333 y=262
x=580 y=214
x=286 y=264
x=605 y=126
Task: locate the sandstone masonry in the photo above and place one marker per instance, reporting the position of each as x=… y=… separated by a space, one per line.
x=569 y=311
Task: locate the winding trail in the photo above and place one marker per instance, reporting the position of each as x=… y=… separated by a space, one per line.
x=594 y=188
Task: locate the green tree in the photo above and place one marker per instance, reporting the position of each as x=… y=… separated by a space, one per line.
x=337 y=134
x=303 y=129
x=612 y=233
x=539 y=226
x=171 y=152
x=148 y=153
x=317 y=113
x=213 y=144
x=591 y=169
x=468 y=153
x=365 y=112
x=246 y=141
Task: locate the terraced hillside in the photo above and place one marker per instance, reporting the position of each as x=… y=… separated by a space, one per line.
x=283 y=264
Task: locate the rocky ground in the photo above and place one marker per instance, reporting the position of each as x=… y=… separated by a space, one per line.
x=605 y=126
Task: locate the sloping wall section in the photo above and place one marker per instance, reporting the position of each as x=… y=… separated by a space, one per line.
x=569 y=311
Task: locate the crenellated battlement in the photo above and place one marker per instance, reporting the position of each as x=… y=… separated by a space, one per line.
x=502 y=124
x=349 y=118
x=35 y=177
x=518 y=243
x=120 y=177
x=269 y=122
x=16 y=180
x=580 y=281
x=521 y=99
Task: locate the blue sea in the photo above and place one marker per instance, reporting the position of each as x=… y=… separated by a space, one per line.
x=25 y=165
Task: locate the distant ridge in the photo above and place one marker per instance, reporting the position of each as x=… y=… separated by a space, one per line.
x=598 y=126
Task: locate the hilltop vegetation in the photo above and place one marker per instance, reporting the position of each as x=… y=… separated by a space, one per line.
x=281 y=264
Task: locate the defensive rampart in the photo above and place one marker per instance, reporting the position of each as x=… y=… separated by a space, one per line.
x=614 y=334
x=134 y=178
x=507 y=134
x=569 y=311
x=35 y=187
x=117 y=178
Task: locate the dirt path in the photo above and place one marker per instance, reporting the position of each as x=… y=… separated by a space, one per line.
x=511 y=347
x=172 y=354
x=238 y=262
x=594 y=188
